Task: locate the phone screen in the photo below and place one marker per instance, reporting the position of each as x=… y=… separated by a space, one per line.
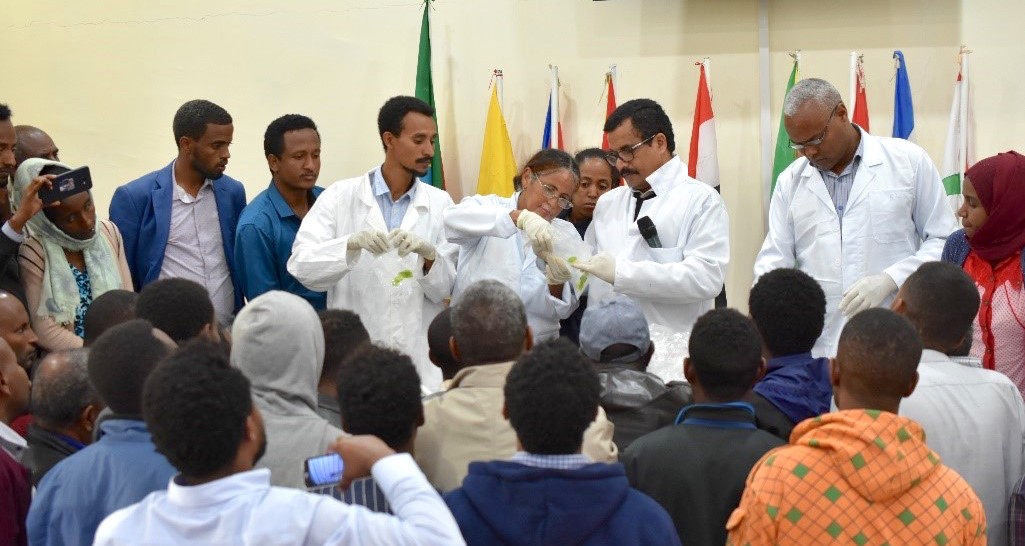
x=323 y=470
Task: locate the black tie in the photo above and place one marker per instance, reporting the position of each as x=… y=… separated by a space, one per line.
x=641 y=197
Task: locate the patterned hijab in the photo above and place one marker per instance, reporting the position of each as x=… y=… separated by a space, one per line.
x=1000 y=183
x=58 y=296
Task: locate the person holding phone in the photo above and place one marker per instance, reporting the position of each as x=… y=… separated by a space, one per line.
x=67 y=258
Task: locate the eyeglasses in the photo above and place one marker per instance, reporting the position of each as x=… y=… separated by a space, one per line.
x=551 y=192
x=820 y=138
x=627 y=154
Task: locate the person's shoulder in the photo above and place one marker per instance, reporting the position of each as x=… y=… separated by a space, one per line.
x=118 y=525
x=256 y=210
x=226 y=181
x=143 y=184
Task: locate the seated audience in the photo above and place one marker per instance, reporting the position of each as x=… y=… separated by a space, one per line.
x=549 y=492
x=108 y=310
x=65 y=407
x=278 y=343
x=67 y=260
x=379 y=395
x=120 y=468
x=465 y=423
x=202 y=415
x=614 y=335
x=973 y=418
x=439 y=335
x=343 y=334
x=789 y=309
x=180 y=308
x=696 y=469
x=15 y=481
x=863 y=474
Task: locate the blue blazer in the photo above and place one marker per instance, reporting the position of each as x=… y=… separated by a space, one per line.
x=141 y=209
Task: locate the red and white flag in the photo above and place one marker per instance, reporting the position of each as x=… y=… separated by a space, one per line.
x=610 y=105
x=703 y=162
x=859 y=102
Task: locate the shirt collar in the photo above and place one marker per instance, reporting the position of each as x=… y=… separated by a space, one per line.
x=855 y=161
x=381 y=189
x=182 y=195
x=12 y=442
x=662 y=179
x=929 y=355
x=278 y=201
x=219 y=491
x=570 y=461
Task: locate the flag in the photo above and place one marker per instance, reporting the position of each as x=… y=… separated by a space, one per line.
x=703 y=162
x=552 y=122
x=497 y=166
x=785 y=155
x=610 y=106
x=959 y=152
x=425 y=92
x=859 y=102
x=903 y=109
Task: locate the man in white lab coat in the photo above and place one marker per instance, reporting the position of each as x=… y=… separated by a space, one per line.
x=376 y=243
x=675 y=275
x=858 y=213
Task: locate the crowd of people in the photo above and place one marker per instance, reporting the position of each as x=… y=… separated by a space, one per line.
x=172 y=374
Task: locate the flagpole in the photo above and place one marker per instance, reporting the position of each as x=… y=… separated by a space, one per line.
x=614 y=74
x=853 y=96
x=764 y=119
x=962 y=120
x=501 y=92
x=555 y=105
x=707 y=63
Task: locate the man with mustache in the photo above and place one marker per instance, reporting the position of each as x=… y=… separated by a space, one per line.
x=267 y=227
x=180 y=221
x=346 y=241
x=675 y=278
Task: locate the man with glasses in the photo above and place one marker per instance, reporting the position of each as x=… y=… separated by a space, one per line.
x=858 y=213
x=675 y=273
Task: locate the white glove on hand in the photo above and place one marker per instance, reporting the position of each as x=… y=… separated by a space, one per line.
x=556 y=270
x=866 y=293
x=600 y=265
x=538 y=230
x=407 y=241
x=371 y=240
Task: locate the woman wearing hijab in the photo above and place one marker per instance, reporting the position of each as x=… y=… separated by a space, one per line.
x=989 y=249
x=66 y=261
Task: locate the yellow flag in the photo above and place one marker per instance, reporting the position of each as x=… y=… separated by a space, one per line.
x=497 y=165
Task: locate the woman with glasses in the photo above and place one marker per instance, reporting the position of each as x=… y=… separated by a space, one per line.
x=67 y=260
x=510 y=239
x=989 y=249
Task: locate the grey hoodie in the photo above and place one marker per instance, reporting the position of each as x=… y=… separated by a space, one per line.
x=278 y=343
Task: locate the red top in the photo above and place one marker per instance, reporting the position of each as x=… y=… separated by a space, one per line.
x=999 y=335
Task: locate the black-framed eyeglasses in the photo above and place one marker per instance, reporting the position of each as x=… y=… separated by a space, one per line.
x=551 y=192
x=626 y=154
x=822 y=136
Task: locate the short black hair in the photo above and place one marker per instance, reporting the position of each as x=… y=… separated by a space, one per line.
x=879 y=352
x=274 y=137
x=109 y=309
x=439 y=334
x=599 y=154
x=379 y=394
x=59 y=398
x=489 y=322
x=548 y=159
x=195 y=406
x=179 y=307
x=343 y=334
x=725 y=354
x=789 y=309
x=647 y=117
x=389 y=118
x=5 y=112
x=192 y=118
x=942 y=301
x=121 y=360
x=552 y=395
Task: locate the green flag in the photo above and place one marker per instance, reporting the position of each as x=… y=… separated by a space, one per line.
x=784 y=155
x=425 y=92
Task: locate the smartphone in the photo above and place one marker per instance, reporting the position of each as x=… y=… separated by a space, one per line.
x=65 y=185
x=323 y=470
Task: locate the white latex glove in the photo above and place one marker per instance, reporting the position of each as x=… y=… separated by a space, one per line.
x=600 y=265
x=866 y=293
x=371 y=240
x=538 y=230
x=556 y=269
x=407 y=241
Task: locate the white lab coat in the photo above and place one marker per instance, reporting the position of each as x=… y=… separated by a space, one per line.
x=675 y=284
x=896 y=219
x=492 y=247
x=394 y=315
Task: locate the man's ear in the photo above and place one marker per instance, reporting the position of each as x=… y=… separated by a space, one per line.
x=762 y=368
x=90 y=413
x=688 y=371
x=834 y=373
x=911 y=387
x=454 y=347
x=388 y=139
x=505 y=411
x=185 y=144
x=273 y=163
x=211 y=332
x=528 y=339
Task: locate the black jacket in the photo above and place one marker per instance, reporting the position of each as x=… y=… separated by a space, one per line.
x=638 y=402
x=45 y=450
x=10 y=275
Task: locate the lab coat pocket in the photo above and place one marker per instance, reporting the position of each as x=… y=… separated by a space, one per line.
x=891 y=215
x=665 y=255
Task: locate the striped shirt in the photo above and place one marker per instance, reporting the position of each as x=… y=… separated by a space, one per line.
x=363 y=492
x=555 y=462
x=839 y=185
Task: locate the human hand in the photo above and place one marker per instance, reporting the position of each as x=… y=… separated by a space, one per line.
x=407 y=241
x=866 y=293
x=556 y=270
x=360 y=454
x=31 y=204
x=600 y=265
x=537 y=230
x=371 y=240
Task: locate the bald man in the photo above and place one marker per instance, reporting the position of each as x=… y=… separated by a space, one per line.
x=16 y=330
x=33 y=142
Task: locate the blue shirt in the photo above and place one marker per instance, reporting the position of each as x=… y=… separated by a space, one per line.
x=116 y=471
x=263 y=243
x=798 y=385
x=393 y=211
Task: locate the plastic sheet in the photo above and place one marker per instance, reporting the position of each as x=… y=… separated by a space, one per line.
x=568 y=246
x=670 y=350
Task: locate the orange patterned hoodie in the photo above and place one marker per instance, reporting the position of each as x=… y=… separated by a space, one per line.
x=858 y=477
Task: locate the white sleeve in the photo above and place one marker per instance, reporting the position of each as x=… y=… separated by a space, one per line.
x=320 y=256
x=538 y=300
x=778 y=249
x=475 y=217
x=437 y=283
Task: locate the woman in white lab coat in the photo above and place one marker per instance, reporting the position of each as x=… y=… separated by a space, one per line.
x=510 y=239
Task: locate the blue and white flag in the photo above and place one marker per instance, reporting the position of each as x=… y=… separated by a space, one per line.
x=903 y=109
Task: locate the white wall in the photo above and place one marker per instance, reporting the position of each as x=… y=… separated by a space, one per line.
x=105 y=78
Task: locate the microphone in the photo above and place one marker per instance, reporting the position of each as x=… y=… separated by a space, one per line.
x=649 y=232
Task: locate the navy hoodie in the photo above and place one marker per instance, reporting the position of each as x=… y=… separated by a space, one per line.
x=507 y=503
